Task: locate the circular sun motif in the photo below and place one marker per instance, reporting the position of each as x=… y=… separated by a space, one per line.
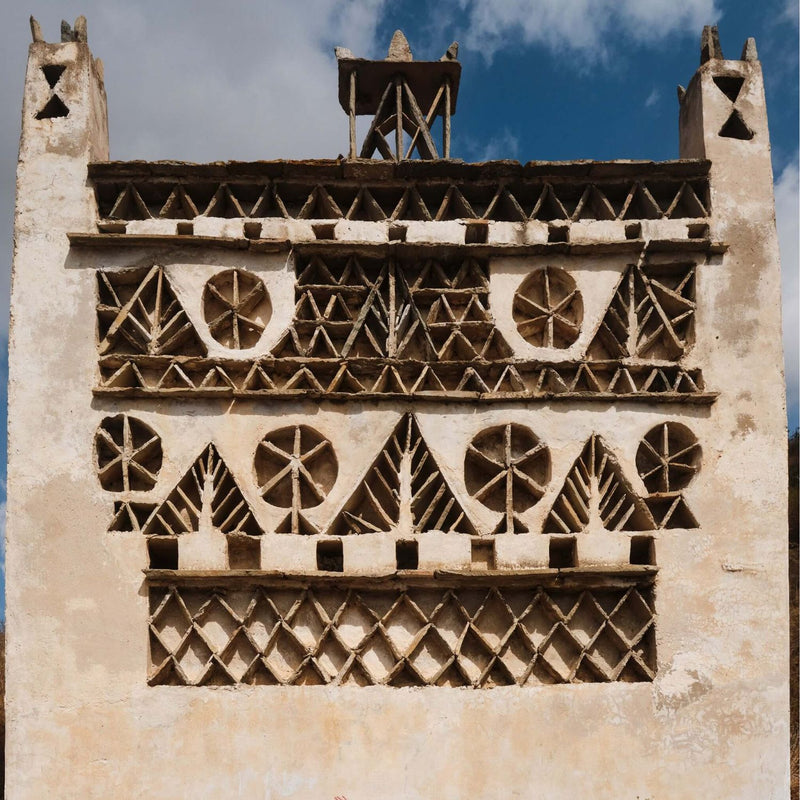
x=668 y=457
x=548 y=308
x=296 y=467
x=236 y=308
x=507 y=468
x=127 y=453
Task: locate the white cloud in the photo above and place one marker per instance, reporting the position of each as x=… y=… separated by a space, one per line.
x=787 y=210
x=504 y=144
x=652 y=98
x=198 y=81
x=579 y=25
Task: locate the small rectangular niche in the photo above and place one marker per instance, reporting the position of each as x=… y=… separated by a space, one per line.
x=563 y=552
x=698 y=230
x=324 y=230
x=252 y=230
x=483 y=556
x=185 y=229
x=397 y=233
x=407 y=554
x=162 y=552
x=476 y=232
x=633 y=230
x=643 y=550
x=112 y=227
x=244 y=552
x=330 y=556
x=557 y=233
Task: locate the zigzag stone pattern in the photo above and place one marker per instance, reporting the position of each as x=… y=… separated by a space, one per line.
x=295 y=378
x=207 y=494
x=442 y=636
x=403 y=489
x=406 y=191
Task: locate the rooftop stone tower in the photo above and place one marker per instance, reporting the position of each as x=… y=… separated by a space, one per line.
x=396 y=477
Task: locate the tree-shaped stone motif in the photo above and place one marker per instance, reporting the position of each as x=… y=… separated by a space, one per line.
x=139 y=313
x=236 y=307
x=507 y=468
x=668 y=458
x=296 y=468
x=548 y=308
x=128 y=454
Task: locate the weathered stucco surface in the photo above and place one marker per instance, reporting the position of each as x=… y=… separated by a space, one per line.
x=83 y=721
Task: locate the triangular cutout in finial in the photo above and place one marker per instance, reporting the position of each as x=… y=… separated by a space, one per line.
x=729 y=85
x=735 y=127
x=399 y=49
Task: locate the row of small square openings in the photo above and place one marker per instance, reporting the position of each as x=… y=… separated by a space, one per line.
x=474 y=233
x=244 y=552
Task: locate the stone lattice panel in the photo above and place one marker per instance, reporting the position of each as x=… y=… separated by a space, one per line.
x=476 y=637
x=139 y=313
x=404 y=488
x=294 y=378
x=651 y=315
x=426 y=310
x=426 y=200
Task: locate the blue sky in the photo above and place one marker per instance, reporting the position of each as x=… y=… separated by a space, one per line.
x=542 y=79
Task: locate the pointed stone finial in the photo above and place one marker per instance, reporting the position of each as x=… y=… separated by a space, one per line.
x=681 y=93
x=451 y=54
x=709 y=44
x=80 y=29
x=36 y=30
x=66 y=31
x=749 y=52
x=343 y=53
x=399 y=49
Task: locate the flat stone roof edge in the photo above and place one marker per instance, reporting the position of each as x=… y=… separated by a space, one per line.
x=367 y=169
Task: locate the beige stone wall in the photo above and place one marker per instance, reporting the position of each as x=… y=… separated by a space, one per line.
x=83 y=721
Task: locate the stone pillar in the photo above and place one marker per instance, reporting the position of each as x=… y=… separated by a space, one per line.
x=723 y=118
x=64 y=127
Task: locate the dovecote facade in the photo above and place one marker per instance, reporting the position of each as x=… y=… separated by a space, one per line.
x=393 y=475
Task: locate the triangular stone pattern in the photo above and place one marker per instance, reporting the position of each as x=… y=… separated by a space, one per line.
x=359 y=307
x=403 y=201
x=404 y=488
x=138 y=313
x=207 y=491
x=651 y=315
x=597 y=495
